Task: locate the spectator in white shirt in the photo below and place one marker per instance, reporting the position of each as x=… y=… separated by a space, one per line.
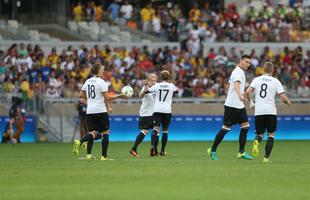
x=126 y=10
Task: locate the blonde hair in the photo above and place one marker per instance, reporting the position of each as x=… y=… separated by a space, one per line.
x=268 y=67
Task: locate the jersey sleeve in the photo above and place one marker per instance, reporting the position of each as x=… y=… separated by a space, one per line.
x=104 y=86
x=174 y=88
x=153 y=88
x=253 y=83
x=84 y=87
x=237 y=76
x=280 y=88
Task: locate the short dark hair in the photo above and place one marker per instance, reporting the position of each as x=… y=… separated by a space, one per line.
x=245 y=56
x=165 y=75
x=268 y=67
x=95 y=69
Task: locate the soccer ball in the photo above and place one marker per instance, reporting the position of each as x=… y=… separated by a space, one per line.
x=127 y=90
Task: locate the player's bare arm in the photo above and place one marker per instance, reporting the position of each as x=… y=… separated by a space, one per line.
x=82 y=94
x=285 y=99
x=248 y=93
x=237 y=88
x=112 y=98
x=108 y=106
x=146 y=84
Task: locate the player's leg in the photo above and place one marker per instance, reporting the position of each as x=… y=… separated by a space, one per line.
x=145 y=123
x=19 y=129
x=95 y=136
x=6 y=136
x=166 y=122
x=259 y=131
x=105 y=145
x=155 y=133
x=154 y=141
x=92 y=128
x=228 y=122
x=139 y=139
x=105 y=129
x=271 y=128
x=218 y=139
x=242 y=118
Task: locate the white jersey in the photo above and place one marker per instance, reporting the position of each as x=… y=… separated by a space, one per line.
x=232 y=99
x=95 y=101
x=266 y=88
x=148 y=102
x=164 y=92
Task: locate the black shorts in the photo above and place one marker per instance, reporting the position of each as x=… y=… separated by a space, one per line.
x=98 y=122
x=265 y=122
x=234 y=116
x=146 y=122
x=163 y=119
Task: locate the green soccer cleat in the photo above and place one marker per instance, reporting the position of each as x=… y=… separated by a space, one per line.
x=90 y=157
x=105 y=158
x=84 y=146
x=266 y=160
x=255 y=150
x=76 y=147
x=212 y=154
x=245 y=156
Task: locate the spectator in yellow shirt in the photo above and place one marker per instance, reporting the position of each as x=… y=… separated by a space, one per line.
x=98 y=13
x=194 y=13
x=147 y=14
x=116 y=83
x=78 y=12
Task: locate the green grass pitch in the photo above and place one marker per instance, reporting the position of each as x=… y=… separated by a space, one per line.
x=49 y=171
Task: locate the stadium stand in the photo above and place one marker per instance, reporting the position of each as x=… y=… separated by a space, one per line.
x=12 y=29
x=61 y=72
x=251 y=22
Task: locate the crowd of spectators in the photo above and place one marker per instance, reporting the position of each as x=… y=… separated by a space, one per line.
x=256 y=21
x=61 y=73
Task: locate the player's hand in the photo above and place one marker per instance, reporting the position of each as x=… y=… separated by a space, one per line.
x=243 y=99
x=110 y=110
x=252 y=105
x=145 y=82
x=289 y=103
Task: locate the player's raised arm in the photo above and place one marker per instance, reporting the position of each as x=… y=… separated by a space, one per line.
x=144 y=89
x=109 y=98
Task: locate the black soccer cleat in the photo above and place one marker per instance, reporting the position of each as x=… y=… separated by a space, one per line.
x=153 y=152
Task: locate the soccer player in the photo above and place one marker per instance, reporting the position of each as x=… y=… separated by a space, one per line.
x=234 y=110
x=95 y=90
x=146 y=113
x=17 y=118
x=81 y=108
x=17 y=114
x=162 y=111
x=8 y=133
x=266 y=88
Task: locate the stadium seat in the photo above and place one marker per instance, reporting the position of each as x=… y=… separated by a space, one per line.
x=114 y=38
x=34 y=35
x=2 y=24
x=72 y=26
x=45 y=37
x=12 y=26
